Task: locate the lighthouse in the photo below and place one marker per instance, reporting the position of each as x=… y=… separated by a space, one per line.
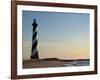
x=34 y=51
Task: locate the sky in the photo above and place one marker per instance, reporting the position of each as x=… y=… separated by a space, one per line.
x=60 y=35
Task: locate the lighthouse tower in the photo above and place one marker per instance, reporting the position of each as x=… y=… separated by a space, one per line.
x=34 y=52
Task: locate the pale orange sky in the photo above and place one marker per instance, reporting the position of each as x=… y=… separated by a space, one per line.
x=60 y=35
x=78 y=49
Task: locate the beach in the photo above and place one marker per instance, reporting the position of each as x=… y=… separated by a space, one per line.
x=53 y=62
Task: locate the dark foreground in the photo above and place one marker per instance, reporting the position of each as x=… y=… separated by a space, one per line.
x=53 y=62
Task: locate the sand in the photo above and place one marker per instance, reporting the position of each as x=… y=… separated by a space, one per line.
x=46 y=63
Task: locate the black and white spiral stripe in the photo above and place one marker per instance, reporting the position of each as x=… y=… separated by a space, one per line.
x=34 y=52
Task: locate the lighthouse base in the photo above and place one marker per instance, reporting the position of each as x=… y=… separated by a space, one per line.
x=34 y=56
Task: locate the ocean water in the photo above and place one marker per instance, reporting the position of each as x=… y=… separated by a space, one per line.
x=77 y=63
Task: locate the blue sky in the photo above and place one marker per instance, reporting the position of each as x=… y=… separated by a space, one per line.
x=56 y=27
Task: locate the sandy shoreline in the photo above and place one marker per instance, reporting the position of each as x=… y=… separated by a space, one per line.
x=45 y=63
